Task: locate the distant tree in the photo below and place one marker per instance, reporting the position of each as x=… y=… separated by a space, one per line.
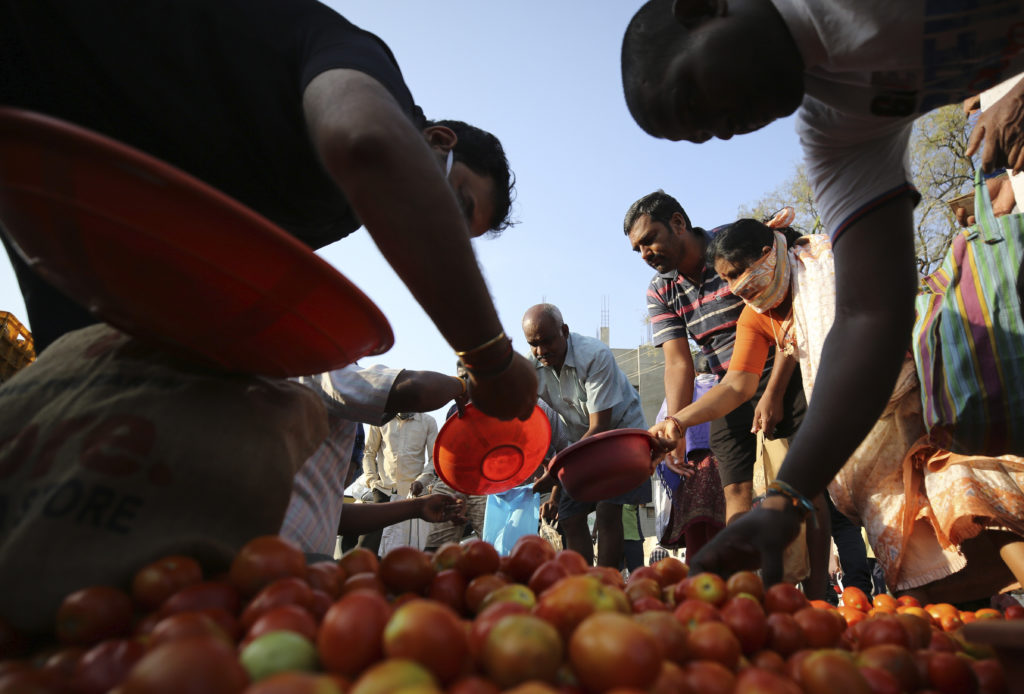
x=940 y=170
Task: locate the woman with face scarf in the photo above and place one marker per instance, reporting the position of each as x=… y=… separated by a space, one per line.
x=788 y=284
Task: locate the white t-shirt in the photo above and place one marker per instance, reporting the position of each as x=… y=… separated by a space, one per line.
x=873 y=66
x=351 y=395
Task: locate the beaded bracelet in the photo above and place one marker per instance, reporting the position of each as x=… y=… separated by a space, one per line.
x=670 y=418
x=799 y=501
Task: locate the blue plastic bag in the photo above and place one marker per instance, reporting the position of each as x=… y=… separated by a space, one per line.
x=510 y=515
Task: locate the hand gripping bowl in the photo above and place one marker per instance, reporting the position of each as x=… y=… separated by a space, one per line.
x=477 y=454
x=165 y=257
x=604 y=465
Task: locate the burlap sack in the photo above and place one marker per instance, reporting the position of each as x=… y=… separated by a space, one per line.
x=113 y=454
x=796 y=563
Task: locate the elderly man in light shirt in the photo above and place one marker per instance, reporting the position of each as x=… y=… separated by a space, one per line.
x=578 y=377
x=398 y=459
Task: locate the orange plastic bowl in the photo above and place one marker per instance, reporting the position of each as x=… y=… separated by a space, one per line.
x=477 y=454
x=604 y=465
x=167 y=258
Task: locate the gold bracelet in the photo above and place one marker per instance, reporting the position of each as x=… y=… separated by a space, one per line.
x=493 y=341
x=465 y=386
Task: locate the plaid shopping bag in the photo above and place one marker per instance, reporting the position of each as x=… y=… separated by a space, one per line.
x=969 y=338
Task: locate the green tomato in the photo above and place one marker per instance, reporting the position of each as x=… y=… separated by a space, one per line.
x=278 y=651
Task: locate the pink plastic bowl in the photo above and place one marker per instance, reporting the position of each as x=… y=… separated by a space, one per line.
x=605 y=465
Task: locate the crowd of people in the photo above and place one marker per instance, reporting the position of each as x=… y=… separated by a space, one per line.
x=340 y=143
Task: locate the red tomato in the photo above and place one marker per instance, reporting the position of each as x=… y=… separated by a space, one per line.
x=161 y=579
x=884 y=601
x=748 y=622
x=472 y=684
x=406 y=570
x=821 y=627
x=351 y=633
x=832 y=671
x=896 y=660
x=755 y=680
x=32 y=681
x=480 y=587
x=784 y=597
x=327 y=576
x=294 y=682
x=671 y=680
x=647 y=604
x=951 y=674
x=851 y=615
x=104 y=665
x=908 y=601
x=320 y=603
x=363 y=581
x=608 y=575
x=430 y=634
x=690 y=613
x=769 y=660
x=745 y=582
x=642 y=587
x=546 y=575
x=449 y=587
x=991 y=678
x=574 y=598
x=572 y=560
x=882 y=629
x=92 y=614
x=529 y=552
x=359 y=560
x=520 y=648
x=709 y=677
x=670 y=570
x=609 y=650
x=187 y=625
x=488 y=617
x=478 y=558
x=197 y=665
x=785 y=635
x=879 y=681
x=282 y=618
x=446 y=556
x=264 y=559
x=1014 y=611
x=854 y=597
x=639 y=573
x=205 y=595
x=63 y=661
x=282 y=591
x=919 y=630
x=668 y=633
x=714 y=641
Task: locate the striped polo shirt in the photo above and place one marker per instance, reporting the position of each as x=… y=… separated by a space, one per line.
x=708 y=311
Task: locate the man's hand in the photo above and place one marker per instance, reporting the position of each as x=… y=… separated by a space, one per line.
x=1001 y=126
x=512 y=394
x=442 y=508
x=416 y=488
x=549 y=510
x=756 y=540
x=545 y=484
x=668 y=440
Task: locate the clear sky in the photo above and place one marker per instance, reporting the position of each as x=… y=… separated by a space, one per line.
x=543 y=77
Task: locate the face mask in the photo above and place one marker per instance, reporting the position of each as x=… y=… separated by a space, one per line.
x=766 y=282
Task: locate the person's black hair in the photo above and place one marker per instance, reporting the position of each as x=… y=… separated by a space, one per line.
x=647 y=46
x=659 y=206
x=482 y=152
x=743 y=242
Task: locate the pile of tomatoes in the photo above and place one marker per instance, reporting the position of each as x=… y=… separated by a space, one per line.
x=463 y=620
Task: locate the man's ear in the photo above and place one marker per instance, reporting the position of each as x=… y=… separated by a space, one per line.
x=441 y=137
x=565 y=330
x=678 y=224
x=690 y=13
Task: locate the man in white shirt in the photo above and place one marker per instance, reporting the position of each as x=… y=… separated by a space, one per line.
x=578 y=377
x=398 y=459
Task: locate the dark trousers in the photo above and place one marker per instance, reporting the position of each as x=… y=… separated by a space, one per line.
x=852 y=554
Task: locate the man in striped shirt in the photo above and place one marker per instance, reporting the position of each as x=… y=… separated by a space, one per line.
x=688 y=300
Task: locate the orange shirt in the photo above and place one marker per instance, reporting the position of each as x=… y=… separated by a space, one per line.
x=755 y=336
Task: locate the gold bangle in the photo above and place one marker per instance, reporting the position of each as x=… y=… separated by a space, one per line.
x=493 y=341
x=465 y=386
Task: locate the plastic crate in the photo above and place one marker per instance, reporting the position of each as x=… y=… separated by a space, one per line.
x=16 y=348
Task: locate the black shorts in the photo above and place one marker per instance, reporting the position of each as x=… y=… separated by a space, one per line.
x=733 y=444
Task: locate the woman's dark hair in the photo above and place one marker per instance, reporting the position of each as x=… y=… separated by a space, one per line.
x=482 y=152
x=743 y=241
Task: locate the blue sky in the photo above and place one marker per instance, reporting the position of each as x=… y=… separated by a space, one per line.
x=543 y=77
